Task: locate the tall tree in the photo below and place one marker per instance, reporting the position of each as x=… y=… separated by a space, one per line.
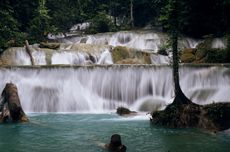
x=40 y=25
x=172 y=14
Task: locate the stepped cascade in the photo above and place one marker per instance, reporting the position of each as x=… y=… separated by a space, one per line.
x=104 y=88
x=96 y=49
x=90 y=81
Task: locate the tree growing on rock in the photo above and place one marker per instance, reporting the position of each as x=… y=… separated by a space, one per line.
x=183 y=113
x=171 y=16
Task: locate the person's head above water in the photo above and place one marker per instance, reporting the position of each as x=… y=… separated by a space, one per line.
x=115 y=144
x=115 y=140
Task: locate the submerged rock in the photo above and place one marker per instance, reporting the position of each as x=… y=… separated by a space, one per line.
x=10 y=106
x=122 y=111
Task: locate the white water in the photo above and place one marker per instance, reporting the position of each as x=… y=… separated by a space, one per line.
x=101 y=89
x=71 y=55
x=96 y=49
x=142 y=40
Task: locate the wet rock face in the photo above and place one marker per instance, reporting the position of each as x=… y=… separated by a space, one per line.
x=10 y=106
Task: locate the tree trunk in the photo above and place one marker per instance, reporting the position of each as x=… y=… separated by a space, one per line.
x=28 y=50
x=180 y=98
x=131 y=13
x=10 y=105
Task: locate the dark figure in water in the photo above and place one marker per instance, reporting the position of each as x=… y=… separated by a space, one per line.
x=115 y=144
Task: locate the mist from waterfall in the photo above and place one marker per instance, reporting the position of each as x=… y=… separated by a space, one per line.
x=101 y=89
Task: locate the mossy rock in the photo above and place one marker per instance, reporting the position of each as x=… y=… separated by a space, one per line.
x=200 y=54
x=49 y=45
x=188 y=58
x=5 y=60
x=124 y=55
x=189 y=50
x=129 y=61
x=206 y=43
x=120 y=53
x=147 y=58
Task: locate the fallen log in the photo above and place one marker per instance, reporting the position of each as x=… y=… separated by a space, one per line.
x=28 y=50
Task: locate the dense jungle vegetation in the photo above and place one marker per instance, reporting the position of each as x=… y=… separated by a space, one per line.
x=34 y=19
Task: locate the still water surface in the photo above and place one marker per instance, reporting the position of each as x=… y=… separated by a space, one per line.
x=85 y=132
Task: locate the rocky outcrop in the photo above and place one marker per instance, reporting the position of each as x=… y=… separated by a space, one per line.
x=213 y=117
x=10 y=106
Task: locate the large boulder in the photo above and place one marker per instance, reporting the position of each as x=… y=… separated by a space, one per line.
x=10 y=106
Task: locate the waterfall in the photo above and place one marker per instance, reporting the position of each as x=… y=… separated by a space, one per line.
x=142 y=40
x=96 y=49
x=219 y=43
x=103 y=88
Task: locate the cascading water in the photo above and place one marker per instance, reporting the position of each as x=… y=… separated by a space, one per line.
x=99 y=89
x=142 y=40
x=96 y=49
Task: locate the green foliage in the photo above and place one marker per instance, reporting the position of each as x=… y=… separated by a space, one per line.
x=40 y=25
x=215 y=56
x=10 y=34
x=101 y=23
x=38 y=17
x=197 y=18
